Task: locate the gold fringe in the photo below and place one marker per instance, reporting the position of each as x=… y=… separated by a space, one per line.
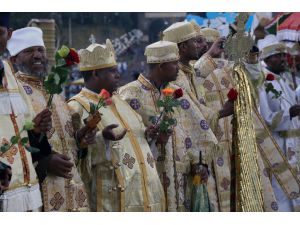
x=248 y=191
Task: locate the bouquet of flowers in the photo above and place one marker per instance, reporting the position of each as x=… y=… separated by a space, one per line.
x=17 y=139
x=169 y=101
x=65 y=58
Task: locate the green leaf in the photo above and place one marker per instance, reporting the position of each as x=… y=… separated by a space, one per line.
x=92 y=108
x=24 y=140
x=4 y=148
x=270 y=88
x=152 y=119
x=50 y=85
x=61 y=71
x=56 y=79
x=160 y=103
x=164 y=126
x=171 y=121
x=32 y=149
x=14 y=140
x=57 y=57
x=60 y=62
x=28 y=125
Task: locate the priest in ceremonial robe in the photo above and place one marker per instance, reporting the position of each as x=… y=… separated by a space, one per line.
x=62 y=188
x=280 y=109
x=191 y=135
x=119 y=171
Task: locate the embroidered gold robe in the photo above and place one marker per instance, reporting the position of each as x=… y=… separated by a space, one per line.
x=206 y=64
x=23 y=193
x=59 y=194
x=187 y=80
x=190 y=136
x=119 y=175
x=217 y=85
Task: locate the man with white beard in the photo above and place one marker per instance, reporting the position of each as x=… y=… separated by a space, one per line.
x=62 y=188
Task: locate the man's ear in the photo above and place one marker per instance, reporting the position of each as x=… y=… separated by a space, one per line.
x=13 y=59
x=9 y=30
x=182 y=47
x=94 y=74
x=160 y=66
x=266 y=61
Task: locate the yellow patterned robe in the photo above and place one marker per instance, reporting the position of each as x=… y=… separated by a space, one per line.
x=187 y=80
x=217 y=85
x=119 y=175
x=59 y=194
x=206 y=64
x=190 y=135
x=24 y=192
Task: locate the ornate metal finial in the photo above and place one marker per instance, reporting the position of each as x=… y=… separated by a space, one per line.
x=208 y=23
x=239 y=45
x=92 y=39
x=161 y=35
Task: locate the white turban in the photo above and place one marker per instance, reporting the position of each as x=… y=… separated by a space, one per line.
x=267 y=41
x=25 y=38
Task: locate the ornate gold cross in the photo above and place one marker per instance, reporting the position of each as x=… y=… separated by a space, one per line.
x=239 y=45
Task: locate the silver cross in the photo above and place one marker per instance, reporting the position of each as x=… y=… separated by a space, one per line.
x=92 y=39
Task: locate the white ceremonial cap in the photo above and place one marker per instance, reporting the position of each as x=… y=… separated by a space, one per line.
x=25 y=38
x=267 y=41
x=179 y=32
x=162 y=51
x=270 y=46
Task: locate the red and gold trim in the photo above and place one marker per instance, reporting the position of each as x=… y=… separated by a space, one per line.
x=22 y=152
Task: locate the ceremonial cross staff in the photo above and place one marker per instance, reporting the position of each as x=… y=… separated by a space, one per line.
x=246 y=190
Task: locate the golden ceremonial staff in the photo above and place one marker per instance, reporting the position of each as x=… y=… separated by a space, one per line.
x=246 y=190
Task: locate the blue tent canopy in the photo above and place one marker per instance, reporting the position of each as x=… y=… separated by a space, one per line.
x=230 y=18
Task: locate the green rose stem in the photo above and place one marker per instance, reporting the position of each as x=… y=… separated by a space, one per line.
x=100 y=103
x=277 y=94
x=49 y=103
x=159 y=118
x=29 y=125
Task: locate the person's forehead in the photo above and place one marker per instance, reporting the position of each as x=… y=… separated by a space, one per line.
x=200 y=38
x=112 y=68
x=3 y=28
x=171 y=62
x=278 y=54
x=108 y=69
x=193 y=39
x=33 y=48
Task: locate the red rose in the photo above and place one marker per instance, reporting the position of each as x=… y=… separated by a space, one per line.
x=68 y=62
x=73 y=56
x=270 y=77
x=232 y=94
x=104 y=94
x=178 y=93
x=290 y=60
x=108 y=101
